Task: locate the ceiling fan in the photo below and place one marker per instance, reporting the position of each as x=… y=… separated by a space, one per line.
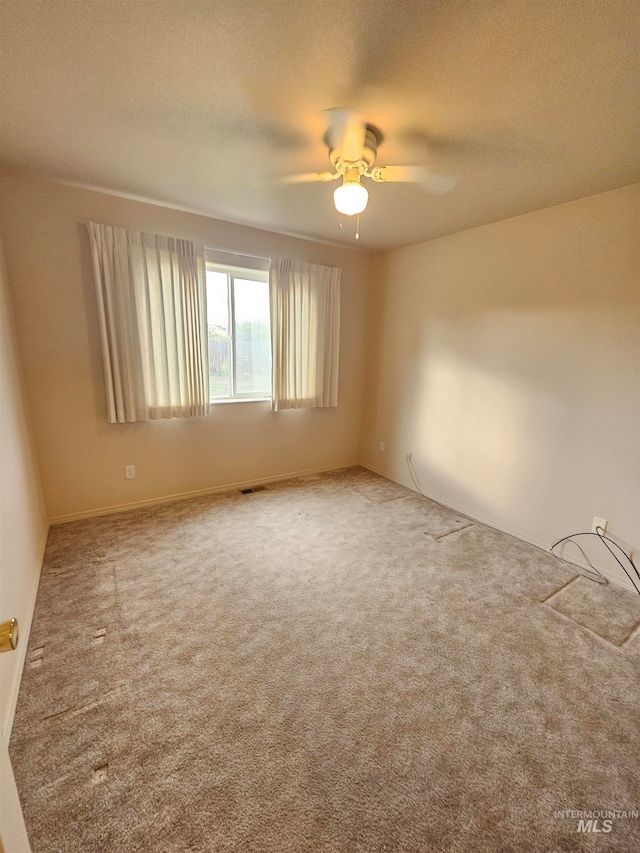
x=353 y=147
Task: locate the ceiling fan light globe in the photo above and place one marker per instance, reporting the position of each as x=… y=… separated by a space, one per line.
x=350 y=198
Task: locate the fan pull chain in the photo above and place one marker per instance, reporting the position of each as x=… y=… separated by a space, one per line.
x=358 y=227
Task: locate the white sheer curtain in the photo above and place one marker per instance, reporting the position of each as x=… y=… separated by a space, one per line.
x=305 y=334
x=153 y=324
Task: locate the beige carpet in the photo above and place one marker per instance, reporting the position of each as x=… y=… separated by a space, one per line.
x=332 y=665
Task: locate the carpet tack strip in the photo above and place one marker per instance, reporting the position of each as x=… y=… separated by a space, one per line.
x=100 y=774
x=36 y=658
x=99 y=636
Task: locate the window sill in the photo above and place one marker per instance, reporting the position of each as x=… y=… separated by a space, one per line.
x=226 y=400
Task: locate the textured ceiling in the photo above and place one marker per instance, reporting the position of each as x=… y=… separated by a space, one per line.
x=529 y=103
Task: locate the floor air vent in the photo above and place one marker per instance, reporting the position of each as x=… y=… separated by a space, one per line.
x=251 y=491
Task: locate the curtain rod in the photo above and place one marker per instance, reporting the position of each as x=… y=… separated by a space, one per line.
x=237 y=254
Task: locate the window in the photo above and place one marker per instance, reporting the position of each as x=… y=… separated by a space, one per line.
x=239 y=335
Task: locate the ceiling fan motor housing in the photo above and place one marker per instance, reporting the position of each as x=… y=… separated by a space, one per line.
x=372 y=139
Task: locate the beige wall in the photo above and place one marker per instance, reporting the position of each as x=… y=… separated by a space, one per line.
x=82 y=457
x=23 y=533
x=23 y=522
x=507 y=360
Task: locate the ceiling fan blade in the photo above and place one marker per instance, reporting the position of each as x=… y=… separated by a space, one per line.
x=308 y=177
x=346 y=133
x=497 y=144
x=430 y=181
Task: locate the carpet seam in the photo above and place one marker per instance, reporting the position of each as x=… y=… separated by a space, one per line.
x=560 y=588
x=573 y=621
x=635 y=630
x=451 y=532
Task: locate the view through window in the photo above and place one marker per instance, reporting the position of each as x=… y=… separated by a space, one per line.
x=239 y=334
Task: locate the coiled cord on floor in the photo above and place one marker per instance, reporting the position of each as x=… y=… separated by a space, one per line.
x=599 y=532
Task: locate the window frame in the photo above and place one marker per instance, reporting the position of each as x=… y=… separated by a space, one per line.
x=233 y=271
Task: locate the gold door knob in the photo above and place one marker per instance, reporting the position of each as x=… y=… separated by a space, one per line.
x=8 y=635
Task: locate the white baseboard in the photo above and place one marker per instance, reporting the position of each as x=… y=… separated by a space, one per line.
x=625 y=583
x=183 y=496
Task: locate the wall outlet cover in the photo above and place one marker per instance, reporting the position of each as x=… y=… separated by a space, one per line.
x=600 y=523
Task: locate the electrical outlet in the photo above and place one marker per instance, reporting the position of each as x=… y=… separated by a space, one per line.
x=408 y=456
x=382 y=447
x=599 y=523
x=130 y=472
